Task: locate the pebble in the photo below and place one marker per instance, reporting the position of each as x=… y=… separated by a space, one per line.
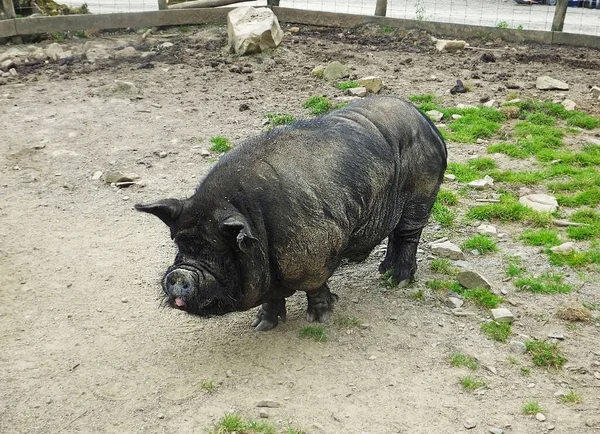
x=161 y=416
x=124 y=300
x=454 y=302
x=469 y=423
x=472 y=279
x=540 y=417
x=550 y=427
x=518 y=347
x=597 y=375
x=558 y=336
x=162 y=154
x=496 y=430
x=502 y=314
x=373 y=358
x=268 y=403
x=262 y=413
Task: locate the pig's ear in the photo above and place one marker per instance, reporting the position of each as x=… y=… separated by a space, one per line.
x=167 y=210
x=237 y=226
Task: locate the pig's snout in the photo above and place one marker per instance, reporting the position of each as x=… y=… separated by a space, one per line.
x=180 y=284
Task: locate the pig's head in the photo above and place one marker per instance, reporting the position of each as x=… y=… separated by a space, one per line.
x=212 y=272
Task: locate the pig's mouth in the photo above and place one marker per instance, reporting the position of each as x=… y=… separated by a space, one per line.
x=195 y=291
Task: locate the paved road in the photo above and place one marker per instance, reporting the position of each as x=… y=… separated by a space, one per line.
x=475 y=12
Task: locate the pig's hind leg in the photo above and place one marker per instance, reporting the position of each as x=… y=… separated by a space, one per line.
x=400 y=260
x=269 y=313
x=320 y=304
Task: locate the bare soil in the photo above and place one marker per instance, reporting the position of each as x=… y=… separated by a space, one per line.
x=84 y=346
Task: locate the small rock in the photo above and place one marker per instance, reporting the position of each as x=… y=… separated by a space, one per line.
x=435 y=115
x=488 y=57
x=318 y=70
x=372 y=83
x=161 y=416
x=550 y=427
x=502 y=314
x=458 y=88
x=357 y=91
x=472 y=279
x=540 y=417
x=54 y=51
x=125 y=52
x=564 y=248
x=454 y=302
x=124 y=300
x=539 y=202
x=268 y=403
x=450 y=177
x=39 y=146
x=569 y=105
x=447 y=250
x=490 y=103
x=597 y=375
x=480 y=184
x=162 y=154
x=558 y=336
x=485 y=229
x=595 y=91
x=165 y=45
x=548 y=83
x=13 y=72
x=294 y=29
x=124 y=87
x=262 y=413
x=244 y=107
x=97 y=175
x=496 y=430
x=7 y=64
x=469 y=423
x=593 y=422
x=335 y=71
x=450 y=45
x=518 y=347
x=114 y=176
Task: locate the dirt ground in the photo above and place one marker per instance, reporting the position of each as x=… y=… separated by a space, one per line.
x=84 y=346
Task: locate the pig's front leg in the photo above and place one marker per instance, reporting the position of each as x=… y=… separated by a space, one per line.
x=269 y=313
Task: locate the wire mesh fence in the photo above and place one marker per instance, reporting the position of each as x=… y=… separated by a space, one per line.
x=583 y=16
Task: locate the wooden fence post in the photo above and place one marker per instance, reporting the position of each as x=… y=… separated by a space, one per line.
x=381 y=8
x=559 y=15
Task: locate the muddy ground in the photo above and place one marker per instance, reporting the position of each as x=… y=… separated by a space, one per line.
x=84 y=346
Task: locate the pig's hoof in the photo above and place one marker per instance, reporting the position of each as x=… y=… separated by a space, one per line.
x=268 y=315
x=320 y=305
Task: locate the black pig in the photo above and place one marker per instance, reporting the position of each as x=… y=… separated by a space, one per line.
x=279 y=212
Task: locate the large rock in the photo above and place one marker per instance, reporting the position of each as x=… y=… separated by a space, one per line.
x=564 y=248
x=569 y=105
x=372 y=84
x=472 y=279
x=548 y=83
x=502 y=314
x=335 y=71
x=447 y=250
x=539 y=202
x=252 y=30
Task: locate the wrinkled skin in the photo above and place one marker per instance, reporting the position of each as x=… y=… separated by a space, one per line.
x=280 y=212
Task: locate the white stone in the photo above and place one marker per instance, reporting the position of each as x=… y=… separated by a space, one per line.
x=372 y=83
x=569 y=105
x=450 y=46
x=456 y=117
x=540 y=417
x=472 y=279
x=539 y=202
x=54 y=51
x=447 y=250
x=165 y=45
x=480 y=184
x=125 y=52
x=97 y=175
x=450 y=177
x=548 y=83
x=7 y=64
x=484 y=229
x=502 y=314
x=252 y=30
x=454 y=302
x=564 y=248
x=13 y=72
x=357 y=91
x=435 y=115
x=335 y=71
x=595 y=91
x=490 y=103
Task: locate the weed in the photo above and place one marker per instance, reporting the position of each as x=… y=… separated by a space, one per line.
x=277 y=119
x=472 y=170
x=512 y=360
x=346 y=321
x=388 y=280
x=447 y=198
x=420 y=10
x=184 y=29
x=511 y=95
x=525 y=372
x=442 y=266
x=420 y=99
x=576 y=259
x=574 y=313
x=230 y=423
x=343 y=85
x=502 y=25
x=496 y=331
x=482 y=297
x=290 y=430
x=531 y=407
x=316 y=332
x=443 y=215
x=482 y=243
x=571 y=398
x=59 y=36
x=418 y=295
x=515 y=268
x=208 y=386
x=459 y=360
x=541 y=237
x=547 y=283
x=471 y=384
x=581 y=120
x=387 y=29
x=545 y=354
x=509 y=210
x=520 y=27
x=220 y=144
x=80 y=34
x=318 y=105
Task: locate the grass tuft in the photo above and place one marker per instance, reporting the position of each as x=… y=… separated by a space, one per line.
x=343 y=85
x=459 y=360
x=279 y=119
x=547 y=283
x=316 y=332
x=531 y=408
x=496 y=331
x=541 y=237
x=482 y=243
x=546 y=354
x=220 y=144
x=471 y=384
x=318 y=105
x=571 y=398
x=442 y=266
x=346 y=321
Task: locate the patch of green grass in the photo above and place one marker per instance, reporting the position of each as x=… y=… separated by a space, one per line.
x=439 y=285
x=418 y=295
x=546 y=354
x=208 y=385
x=459 y=360
x=471 y=384
x=447 y=198
x=531 y=408
x=184 y=29
x=290 y=430
x=496 y=331
x=581 y=120
x=541 y=119
x=512 y=360
x=442 y=266
x=589 y=197
x=59 y=36
x=547 y=283
x=387 y=29
x=232 y=423
x=502 y=25
x=318 y=105
x=576 y=259
x=590 y=156
x=472 y=169
x=220 y=144
x=541 y=237
x=387 y=279
x=469 y=128
x=278 y=119
x=420 y=99
x=579 y=179
x=340 y=106
x=482 y=297
x=346 y=321
x=515 y=267
x=482 y=164
x=316 y=332
x=509 y=210
x=571 y=398
x=518 y=177
x=525 y=372
x=510 y=149
x=482 y=243
x=443 y=215
x=343 y=85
